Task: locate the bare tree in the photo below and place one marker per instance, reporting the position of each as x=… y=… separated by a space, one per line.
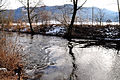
x=80 y=19
x=118 y=10
x=10 y=18
x=45 y=17
x=80 y=16
x=64 y=14
x=100 y=16
x=63 y=19
x=2 y=3
x=92 y=15
x=2 y=19
x=30 y=5
x=75 y=9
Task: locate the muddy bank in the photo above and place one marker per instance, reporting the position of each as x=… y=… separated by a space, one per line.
x=106 y=32
x=96 y=32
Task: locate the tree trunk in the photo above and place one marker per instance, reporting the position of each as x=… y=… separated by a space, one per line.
x=118 y=10
x=119 y=17
x=72 y=23
x=92 y=15
x=29 y=19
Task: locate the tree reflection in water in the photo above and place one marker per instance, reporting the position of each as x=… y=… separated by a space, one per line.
x=108 y=44
x=73 y=75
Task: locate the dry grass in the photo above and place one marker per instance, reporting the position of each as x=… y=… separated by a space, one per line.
x=9 y=59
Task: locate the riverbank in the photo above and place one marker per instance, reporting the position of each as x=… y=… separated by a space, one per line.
x=97 y=32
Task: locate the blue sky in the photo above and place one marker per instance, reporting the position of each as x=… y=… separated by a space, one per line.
x=108 y=4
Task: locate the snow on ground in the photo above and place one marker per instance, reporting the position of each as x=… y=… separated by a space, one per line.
x=24 y=30
x=110 y=32
x=77 y=23
x=54 y=30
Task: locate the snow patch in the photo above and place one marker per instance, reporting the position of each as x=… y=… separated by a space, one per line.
x=56 y=30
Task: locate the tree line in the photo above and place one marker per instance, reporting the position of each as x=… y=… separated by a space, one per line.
x=45 y=16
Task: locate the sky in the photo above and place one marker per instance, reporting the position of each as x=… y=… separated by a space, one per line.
x=108 y=4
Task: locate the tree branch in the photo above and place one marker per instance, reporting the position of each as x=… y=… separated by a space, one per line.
x=22 y=3
x=82 y=5
x=74 y=2
x=35 y=6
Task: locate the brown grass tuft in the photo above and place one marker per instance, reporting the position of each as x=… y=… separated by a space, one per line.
x=10 y=59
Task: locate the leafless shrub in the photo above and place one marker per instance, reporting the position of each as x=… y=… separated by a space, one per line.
x=10 y=59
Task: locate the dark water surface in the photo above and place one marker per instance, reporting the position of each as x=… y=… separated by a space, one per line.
x=48 y=58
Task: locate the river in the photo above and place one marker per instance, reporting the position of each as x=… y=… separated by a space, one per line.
x=48 y=58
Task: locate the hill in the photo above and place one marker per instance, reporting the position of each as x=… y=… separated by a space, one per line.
x=85 y=12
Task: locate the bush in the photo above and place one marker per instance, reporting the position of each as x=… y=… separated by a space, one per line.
x=10 y=59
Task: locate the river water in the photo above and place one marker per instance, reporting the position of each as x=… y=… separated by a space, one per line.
x=48 y=58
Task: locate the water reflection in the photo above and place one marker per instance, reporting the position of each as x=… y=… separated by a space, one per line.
x=73 y=75
x=54 y=58
x=94 y=63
